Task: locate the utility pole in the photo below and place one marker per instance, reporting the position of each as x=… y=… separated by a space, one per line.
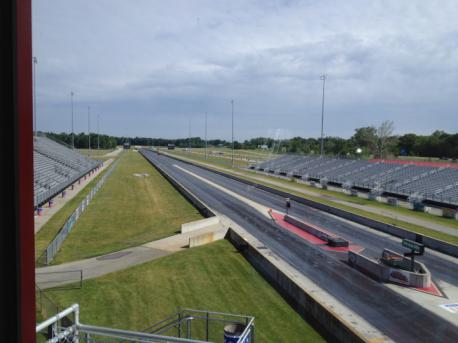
x=89 y=128
x=98 y=132
x=35 y=98
x=323 y=78
x=73 y=132
x=232 y=103
x=189 y=134
x=206 y=145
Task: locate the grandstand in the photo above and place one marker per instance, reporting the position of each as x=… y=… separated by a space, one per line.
x=56 y=167
x=433 y=184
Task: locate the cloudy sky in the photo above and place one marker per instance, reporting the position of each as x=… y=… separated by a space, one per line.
x=150 y=67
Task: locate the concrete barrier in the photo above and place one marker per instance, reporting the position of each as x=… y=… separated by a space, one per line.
x=383 y=272
x=331 y=239
x=432 y=243
x=206 y=238
x=366 y=265
x=200 y=224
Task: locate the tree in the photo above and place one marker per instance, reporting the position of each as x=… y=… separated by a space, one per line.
x=408 y=144
x=384 y=136
x=366 y=139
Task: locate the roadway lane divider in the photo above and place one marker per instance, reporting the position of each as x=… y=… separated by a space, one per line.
x=430 y=242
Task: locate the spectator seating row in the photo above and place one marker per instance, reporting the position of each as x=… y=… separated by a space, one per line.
x=422 y=182
x=56 y=167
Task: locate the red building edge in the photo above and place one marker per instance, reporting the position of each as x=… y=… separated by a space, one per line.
x=16 y=216
x=25 y=169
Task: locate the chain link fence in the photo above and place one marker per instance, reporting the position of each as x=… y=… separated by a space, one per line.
x=50 y=252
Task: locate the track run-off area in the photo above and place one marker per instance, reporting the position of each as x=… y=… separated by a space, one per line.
x=401 y=314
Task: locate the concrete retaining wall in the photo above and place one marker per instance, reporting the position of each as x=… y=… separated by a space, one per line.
x=367 y=265
x=206 y=238
x=305 y=304
x=433 y=243
x=200 y=224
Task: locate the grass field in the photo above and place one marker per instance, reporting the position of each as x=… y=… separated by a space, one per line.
x=129 y=210
x=213 y=277
x=266 y=180
x=53 y=225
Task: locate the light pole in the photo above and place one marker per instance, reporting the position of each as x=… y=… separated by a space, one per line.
x=89 y=128
x=232 y=103
x=189 y=134
x=206 y=145
x=73 y=132
x=323 y=77
x=34 y=98
x=98 y=132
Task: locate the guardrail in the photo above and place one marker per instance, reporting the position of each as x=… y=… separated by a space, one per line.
x=65 y=326
x=50 y=252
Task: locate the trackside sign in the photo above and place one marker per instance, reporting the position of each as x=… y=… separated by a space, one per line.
x=415 y=246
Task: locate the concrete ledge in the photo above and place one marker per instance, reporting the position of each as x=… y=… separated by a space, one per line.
x=206 y=238
x=200 y=224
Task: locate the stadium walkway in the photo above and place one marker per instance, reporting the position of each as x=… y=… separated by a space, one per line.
x=383 y=212
x=59 y=202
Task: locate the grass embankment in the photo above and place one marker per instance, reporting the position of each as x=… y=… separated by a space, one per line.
x=267 y=181
x=128 y=210
x=55 y=223
x=213 y=277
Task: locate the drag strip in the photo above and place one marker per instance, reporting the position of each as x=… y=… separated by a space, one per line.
x=396 y=316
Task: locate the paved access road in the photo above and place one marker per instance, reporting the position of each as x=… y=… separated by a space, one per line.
x=396 y=316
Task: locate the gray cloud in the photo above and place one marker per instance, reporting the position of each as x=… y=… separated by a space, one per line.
x=147 y=67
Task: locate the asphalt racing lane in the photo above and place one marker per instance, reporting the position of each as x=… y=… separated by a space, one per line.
x=398 y=317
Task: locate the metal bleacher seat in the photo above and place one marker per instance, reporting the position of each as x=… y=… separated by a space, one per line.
x=432 y=183
x=56 y=167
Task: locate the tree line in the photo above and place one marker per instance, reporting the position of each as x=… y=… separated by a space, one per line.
x=366 y=142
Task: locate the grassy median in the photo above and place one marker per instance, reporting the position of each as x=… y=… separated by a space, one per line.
x=213 y=277
x=136 y=205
